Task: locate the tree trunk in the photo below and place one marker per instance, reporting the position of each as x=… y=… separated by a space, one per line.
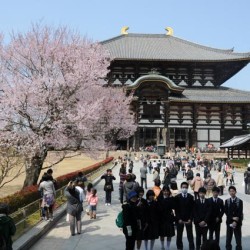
x=34 y=169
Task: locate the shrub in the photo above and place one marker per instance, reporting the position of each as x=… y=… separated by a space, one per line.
x=29 y=194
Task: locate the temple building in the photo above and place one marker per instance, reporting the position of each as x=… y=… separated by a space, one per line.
x=179 y=97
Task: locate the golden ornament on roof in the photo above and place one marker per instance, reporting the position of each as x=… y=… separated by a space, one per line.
x=124 y=30
x=170 y=31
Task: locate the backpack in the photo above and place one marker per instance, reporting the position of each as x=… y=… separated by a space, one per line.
x=119 y=220
x=2 y=243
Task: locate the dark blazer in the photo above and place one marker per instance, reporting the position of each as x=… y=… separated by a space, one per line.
x=153 y=220
x=129 y=218
x=234 y=209
x=201 y=212
x=217 y=210
x=184 y=207
x=166 y=209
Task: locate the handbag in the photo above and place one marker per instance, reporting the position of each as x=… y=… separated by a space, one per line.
x=108 y=187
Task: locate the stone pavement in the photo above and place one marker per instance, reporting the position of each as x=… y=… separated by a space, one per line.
x=102 y=233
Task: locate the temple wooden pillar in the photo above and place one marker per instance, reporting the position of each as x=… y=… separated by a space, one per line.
x=194 y=130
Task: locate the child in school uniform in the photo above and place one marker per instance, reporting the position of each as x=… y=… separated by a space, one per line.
x=93 y=201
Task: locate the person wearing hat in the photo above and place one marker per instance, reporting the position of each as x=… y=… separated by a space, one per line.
x=130 y=227
x=202 y=213
x=217 y=212
x=7 y=227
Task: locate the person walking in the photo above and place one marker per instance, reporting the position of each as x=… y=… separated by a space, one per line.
x=74 y=208
x=88 y=193
x=108 y=186
x=82 y=179
x=93 y=201
x=128 y=186
x=157 y=188
x=189 y=175
x=196 y=184
x=247 y=180
x=166 y=203
x=220 y=181
x=202 y=213
x=156 y=175
x=209 y=184
x=79 y=186
x=150 y=167
x=206 y=170
x=229 y=172
x=49 y=193
x=131 y=166
x=234 y=213
x=173 y=172
x=183 y=169
x=143 y=171
x=184 y=204
x=217 y=212
x=7 y=227
x=122 y=174
x=166 y=180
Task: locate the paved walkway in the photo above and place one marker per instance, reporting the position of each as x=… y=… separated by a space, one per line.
x=102 y=233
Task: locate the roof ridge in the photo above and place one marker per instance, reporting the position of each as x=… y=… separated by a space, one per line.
x=112 y=39
x=237 y=90
x=226 y=51
x=195 y=44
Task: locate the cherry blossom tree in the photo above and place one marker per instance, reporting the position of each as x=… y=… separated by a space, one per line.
x=52 y=97
x=12 y=165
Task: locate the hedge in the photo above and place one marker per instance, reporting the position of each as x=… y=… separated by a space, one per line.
x=29 y=194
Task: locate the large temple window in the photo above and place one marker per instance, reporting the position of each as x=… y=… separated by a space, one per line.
x=151 y=136
x=180 y=138
x=151 y=111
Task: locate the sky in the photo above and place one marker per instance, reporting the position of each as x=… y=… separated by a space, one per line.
x=221 y=24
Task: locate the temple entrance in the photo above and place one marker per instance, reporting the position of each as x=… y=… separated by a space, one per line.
x=148 y=137
x=180 y=138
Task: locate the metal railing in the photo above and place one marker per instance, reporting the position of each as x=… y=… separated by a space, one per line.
x=28 y=216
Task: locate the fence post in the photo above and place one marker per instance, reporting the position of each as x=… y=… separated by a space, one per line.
x=24 y=217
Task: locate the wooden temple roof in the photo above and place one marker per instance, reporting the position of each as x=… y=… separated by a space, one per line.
x=160 y=47
x=212 y=95
x=237 y=142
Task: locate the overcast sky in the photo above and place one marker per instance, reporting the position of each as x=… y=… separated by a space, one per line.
x=217 y=23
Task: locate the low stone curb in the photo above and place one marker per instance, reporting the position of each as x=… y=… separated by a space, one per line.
x=28 y=239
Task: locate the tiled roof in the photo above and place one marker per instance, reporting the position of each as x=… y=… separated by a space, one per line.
x=220 y=95
x=165 y=47
x=236 y=141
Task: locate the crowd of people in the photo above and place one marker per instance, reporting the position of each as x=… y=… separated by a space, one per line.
x=164 y=212
x=161 y=212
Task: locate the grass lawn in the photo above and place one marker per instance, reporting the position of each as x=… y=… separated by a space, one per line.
x=240 y=163
x=66 y=166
